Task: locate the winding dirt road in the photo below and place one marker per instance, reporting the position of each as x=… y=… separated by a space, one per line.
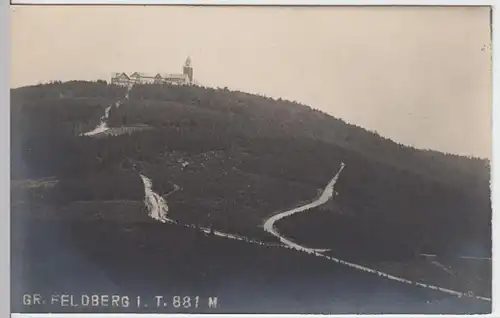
x=103 y=125
x=324 y=197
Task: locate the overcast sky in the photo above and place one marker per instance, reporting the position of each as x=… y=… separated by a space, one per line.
x=421 y=76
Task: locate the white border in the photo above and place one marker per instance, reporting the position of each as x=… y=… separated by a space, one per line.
x=230 y=315
x=5 y=137
x=5 y=166
x=262 y=2
x=495 y=173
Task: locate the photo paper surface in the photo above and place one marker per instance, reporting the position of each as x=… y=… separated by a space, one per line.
x=251 y=160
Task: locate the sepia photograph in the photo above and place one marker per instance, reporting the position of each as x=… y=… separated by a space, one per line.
x=251 y=159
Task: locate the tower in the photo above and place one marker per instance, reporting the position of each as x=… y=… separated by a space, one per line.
x=188 y=69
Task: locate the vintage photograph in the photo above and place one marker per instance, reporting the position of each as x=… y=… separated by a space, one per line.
x=251 y=159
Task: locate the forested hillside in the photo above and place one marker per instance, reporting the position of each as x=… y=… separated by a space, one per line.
x=239 y=158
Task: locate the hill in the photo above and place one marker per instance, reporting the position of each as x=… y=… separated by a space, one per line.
x=239 y=158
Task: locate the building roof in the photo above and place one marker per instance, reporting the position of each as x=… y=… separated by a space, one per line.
x=175 y=76
x=171 y=76
x=137 y=74
x=117 y=74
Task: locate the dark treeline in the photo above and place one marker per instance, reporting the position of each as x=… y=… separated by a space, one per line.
x=71 y=89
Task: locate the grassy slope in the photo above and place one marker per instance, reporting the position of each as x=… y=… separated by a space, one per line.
x=142 y=257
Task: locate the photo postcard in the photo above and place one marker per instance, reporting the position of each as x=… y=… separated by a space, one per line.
x=251 y=159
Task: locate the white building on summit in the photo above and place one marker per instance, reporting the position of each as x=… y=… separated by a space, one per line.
x=186 y=78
